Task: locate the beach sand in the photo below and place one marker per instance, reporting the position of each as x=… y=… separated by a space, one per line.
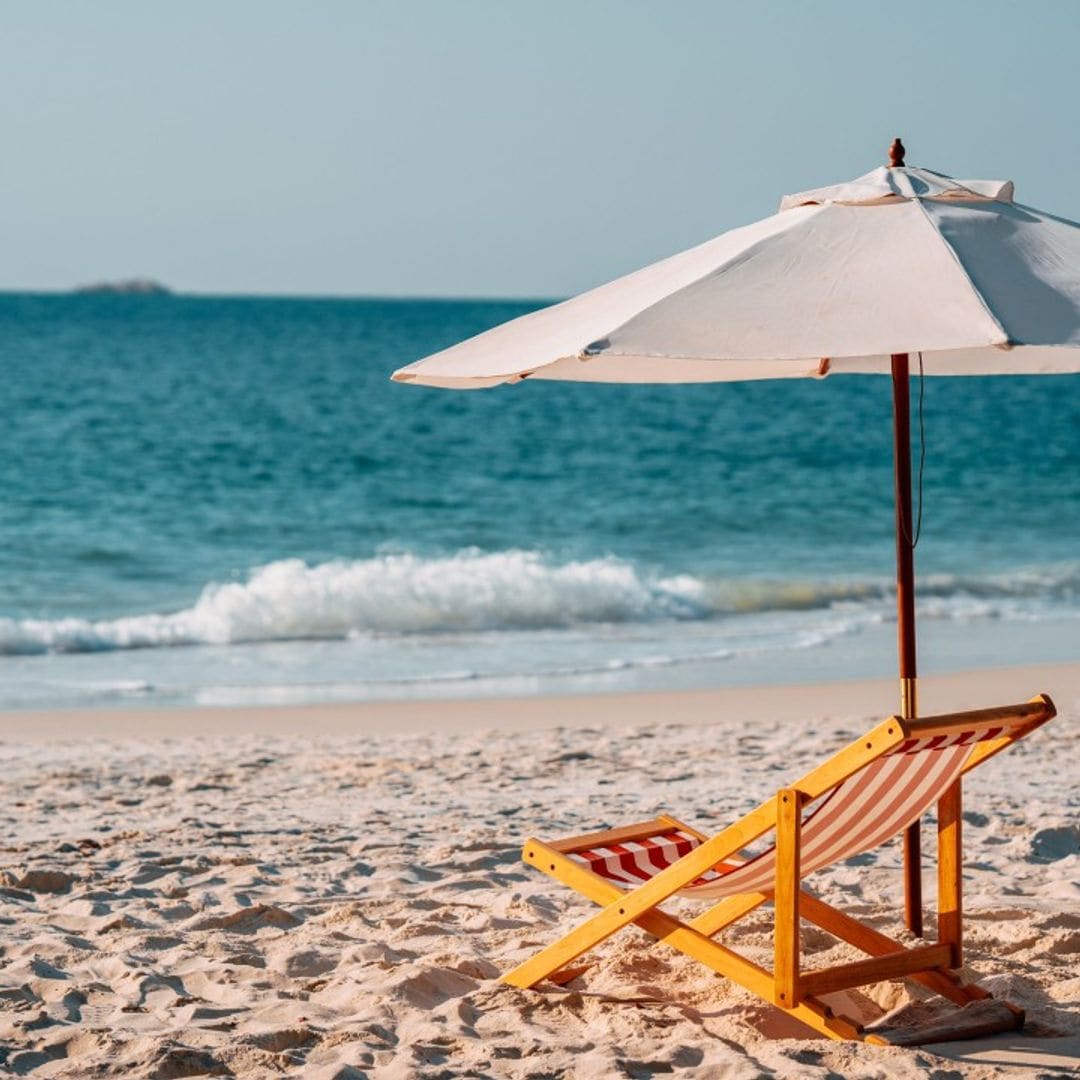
x=333 y=891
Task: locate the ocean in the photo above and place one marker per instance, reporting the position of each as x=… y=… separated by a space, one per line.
x=225 y=501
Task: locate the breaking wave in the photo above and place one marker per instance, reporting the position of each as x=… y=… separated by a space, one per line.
x=512 y=590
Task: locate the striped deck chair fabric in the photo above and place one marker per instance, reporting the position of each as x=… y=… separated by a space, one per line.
x=858 y=815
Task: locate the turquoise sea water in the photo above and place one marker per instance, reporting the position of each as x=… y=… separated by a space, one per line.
x=226 y=500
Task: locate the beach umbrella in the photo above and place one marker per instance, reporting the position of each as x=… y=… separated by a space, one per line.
x=858 y=277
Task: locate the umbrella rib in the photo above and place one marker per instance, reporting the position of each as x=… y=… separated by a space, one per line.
x=1006 y=340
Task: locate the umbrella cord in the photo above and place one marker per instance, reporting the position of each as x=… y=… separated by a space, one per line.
x=914 y=540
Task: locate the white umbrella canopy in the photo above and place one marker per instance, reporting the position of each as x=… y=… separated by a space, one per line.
x=901 y=260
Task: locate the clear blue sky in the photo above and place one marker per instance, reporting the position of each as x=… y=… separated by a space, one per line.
x=488 y=148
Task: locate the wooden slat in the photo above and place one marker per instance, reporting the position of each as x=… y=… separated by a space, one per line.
x=1038 y=710
x=950 y=872
x=786 y=897
x=875 y=943
x=876 y=969
x=687 y=938
x=637 y=831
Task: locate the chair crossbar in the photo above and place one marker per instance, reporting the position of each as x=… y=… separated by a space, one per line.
x=874 y=969
x=588 y=841
x=1034 y=712
x=875 y=943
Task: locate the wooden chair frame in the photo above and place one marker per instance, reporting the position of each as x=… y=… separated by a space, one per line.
x=787 y=985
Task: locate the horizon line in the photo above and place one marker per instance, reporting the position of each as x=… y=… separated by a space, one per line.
x=170 y=293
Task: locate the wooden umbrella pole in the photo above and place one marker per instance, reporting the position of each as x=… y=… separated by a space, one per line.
x=905 y=613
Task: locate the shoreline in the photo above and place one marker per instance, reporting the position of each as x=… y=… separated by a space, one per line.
x=783 y=702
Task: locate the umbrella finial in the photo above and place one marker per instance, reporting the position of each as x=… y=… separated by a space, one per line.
x=896 y=154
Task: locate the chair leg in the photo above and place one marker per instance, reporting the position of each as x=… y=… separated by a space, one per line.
x=786 y=898
x=950 y=872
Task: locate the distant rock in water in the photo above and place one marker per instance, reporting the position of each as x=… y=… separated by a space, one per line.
x=138 y=286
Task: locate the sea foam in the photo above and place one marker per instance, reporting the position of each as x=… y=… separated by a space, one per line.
x=401 y=593
x=512 y=590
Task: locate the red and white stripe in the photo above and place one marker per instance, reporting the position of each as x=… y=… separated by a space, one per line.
x=870 y=807
x=635 y=861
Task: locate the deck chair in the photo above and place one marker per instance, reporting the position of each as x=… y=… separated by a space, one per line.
x=864 y=795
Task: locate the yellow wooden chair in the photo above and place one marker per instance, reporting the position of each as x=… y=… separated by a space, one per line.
x=865 y=794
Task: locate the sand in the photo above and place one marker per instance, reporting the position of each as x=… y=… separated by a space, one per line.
x=332 y=892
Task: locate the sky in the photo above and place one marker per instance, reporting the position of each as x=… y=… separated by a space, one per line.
x=488 y=147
